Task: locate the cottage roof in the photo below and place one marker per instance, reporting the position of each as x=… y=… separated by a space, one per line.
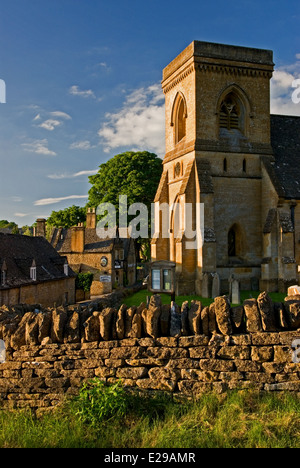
x=61 y=238
x=19 y=253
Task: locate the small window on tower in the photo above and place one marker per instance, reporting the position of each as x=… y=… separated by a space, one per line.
x=244 y=166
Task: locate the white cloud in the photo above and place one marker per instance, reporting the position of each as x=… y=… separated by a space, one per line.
x=61 y=115
x=282 y=89
x=56 y=119
x=88 y=93
x=52 y=201
x=139 y=125
x=72 y=176
x=38 y=147
x=20 y=215
x=82 y=145
x=50 y=124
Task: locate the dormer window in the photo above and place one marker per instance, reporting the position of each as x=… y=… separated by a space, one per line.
x=3 y=277
x=66 y=269
x=3 y=274
x=33 y=271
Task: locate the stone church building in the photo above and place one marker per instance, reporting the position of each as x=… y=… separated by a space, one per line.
x=225 y=151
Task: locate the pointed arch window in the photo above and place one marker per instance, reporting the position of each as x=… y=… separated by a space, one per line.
x=179 y=116
x=232 y=243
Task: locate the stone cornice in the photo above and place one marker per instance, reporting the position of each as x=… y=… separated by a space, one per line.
x=168 y=85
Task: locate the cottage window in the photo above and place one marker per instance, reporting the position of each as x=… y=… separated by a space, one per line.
x=66 y=269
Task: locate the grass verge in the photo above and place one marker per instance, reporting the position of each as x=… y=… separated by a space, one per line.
x=94 y=420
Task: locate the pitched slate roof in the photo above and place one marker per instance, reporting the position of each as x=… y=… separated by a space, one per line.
x=285 y=140
x=18 y=253
x=61 y=240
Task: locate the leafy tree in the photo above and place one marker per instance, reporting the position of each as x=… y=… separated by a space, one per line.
x=84 y=281
x=4 y=224
x=27 y=231
x=134 y=174
x=68 y=217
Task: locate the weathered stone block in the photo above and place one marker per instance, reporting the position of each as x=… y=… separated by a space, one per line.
x=92 y=328
x=265 y=339
x=253 y=321
x=194 y=318
x=132 y=373
x=222 y=311
x=216 y=365
x=105 y=320
x=59 y=320
x=202 y=352
x=234 y=352
x=262 y=353
x=283 y=354
x=267 y=312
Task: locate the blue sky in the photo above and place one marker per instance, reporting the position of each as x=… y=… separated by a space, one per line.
x=83 y=83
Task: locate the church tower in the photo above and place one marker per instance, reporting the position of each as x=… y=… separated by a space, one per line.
x=217 y=135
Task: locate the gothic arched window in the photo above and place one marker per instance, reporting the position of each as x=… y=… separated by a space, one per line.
x=231 y=243
x=179 y=116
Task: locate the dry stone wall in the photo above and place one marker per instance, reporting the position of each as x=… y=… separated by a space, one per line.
x=185 y=350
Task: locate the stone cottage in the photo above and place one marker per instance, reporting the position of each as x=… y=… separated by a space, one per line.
x=225 y=151
x=32 y=272
x=112 y=261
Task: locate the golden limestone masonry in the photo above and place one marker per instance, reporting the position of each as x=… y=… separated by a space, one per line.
x=225 y=150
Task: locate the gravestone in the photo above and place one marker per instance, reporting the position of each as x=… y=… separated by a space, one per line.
x=235 y=292
x=2 y=352
x=206 y=289
x=216 y=289
x=230 y=280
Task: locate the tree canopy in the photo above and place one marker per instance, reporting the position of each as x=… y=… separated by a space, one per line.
x=68 y=217
x=135 y=174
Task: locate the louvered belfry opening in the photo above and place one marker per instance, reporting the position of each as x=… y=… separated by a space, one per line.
x=230 y=113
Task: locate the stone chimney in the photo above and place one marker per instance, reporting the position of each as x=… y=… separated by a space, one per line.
x=78 y=238
x=91 y=218
x=40 y=230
